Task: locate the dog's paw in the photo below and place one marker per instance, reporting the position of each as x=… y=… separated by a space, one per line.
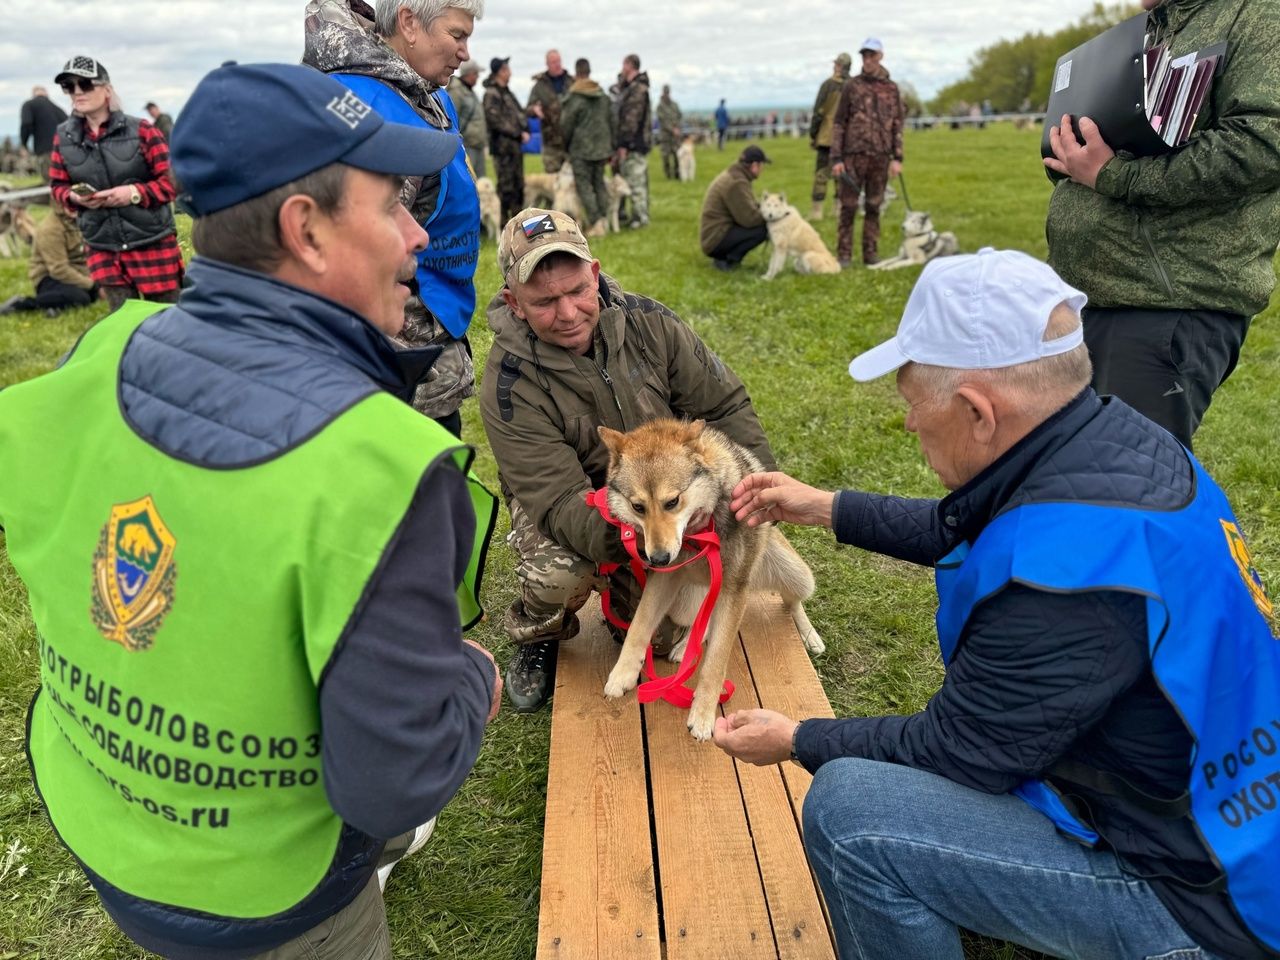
x=701 y=723
x=619 y=683
x=813 y=643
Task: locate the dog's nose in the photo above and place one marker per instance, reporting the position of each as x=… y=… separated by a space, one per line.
x=659 y=559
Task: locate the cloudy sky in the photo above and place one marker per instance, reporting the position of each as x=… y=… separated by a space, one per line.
x=749 y=52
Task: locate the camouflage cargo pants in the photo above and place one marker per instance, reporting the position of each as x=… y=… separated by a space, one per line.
x=635 y=170
x=589 y=177
x=821 y=174
x=870 y=175
x=670 y=162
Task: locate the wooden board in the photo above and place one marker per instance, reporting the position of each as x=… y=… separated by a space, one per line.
x=598 y=893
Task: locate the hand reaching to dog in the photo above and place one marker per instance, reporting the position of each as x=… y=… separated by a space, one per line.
x=1081 y=164
x=764 y=497
x=761 y=737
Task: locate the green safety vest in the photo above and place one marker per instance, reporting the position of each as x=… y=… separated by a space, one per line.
x=186 y=616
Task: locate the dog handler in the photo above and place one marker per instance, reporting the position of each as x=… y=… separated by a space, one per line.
x=1099 y=775
x=572 y=350
x=254 y=682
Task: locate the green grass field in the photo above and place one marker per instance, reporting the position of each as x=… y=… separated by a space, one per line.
x=473 y=891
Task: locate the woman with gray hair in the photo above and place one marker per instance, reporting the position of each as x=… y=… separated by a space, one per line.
x=398 y=58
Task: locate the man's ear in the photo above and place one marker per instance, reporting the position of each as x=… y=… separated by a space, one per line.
x=302 y=233
x=509 y=298
x=980 y=413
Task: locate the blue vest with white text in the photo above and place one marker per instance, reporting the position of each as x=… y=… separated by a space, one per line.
x=1212 y=653
x=447 y=268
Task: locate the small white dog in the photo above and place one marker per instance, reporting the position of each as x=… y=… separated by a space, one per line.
x=920 y=243
x=793 y=238
x=490 y=208
x=686 y=161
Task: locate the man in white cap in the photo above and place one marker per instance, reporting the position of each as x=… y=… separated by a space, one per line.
x=1094 y=776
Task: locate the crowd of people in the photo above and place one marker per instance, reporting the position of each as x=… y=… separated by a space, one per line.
x=256 y=690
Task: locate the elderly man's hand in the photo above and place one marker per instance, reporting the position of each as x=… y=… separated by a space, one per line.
x=764 y=497
x=761 y=737
x=1081 y=164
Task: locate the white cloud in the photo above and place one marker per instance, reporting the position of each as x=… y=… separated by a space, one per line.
x=752 y=54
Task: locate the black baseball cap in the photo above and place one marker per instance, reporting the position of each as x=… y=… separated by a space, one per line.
x=497 y=63
x=754 y=154
x=249 y=129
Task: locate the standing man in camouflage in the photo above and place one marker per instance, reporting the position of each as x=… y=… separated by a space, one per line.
x=589 y=133
x=635 y=132
x=572 y=350
x=545 y=101
x=1176 y=252
x=462 y=91
x=820 y=124
x=669 y=117
x=866 y=144
x=508 y=133
x=163 y=122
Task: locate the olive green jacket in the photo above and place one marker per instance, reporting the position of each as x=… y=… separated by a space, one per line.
x=729 y=200
x=541 y=405
x=587 y=121
x=1196 y=228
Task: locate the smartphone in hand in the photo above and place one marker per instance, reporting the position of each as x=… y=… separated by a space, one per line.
x=83 y=189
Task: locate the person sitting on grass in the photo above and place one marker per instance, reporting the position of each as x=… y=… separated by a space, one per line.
x=58 y=269
x=1097 y=774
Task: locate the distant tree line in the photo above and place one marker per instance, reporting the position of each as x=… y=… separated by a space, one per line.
x=1016 y=74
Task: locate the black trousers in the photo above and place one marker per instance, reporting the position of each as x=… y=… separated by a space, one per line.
x=1166 y=364
x=53 y=294
x=740 y=241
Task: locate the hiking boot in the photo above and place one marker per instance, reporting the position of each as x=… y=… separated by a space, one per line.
x=870 y=261
x=816 y=212
x=724 y=266
x=11 y=305
x=845 y=263
x=531 y=675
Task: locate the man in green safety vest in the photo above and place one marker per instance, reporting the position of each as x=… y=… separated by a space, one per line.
x=249 y=561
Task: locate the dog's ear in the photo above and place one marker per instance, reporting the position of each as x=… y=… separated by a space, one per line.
x=782 y=197
x=693 y=430
x=613 y=441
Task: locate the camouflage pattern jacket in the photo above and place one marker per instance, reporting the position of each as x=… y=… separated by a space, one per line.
x=505 y=119
x=588 y=121
x=669 y=117
x=339 y=38
x=635 y=128
x=824 y=110
x=544 y=93
x=541 y=405
x=1196 y=228
x=868 y=118
x=466 y=103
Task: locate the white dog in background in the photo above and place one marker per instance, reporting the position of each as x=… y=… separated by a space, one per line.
x=920 y=243
x=566 y=198
x=490 y=208
x=793 y=238
x=686 y=161
x=619 y=190
x=539 y=188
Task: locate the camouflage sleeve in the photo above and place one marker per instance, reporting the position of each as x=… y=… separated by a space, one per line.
x=815 y=119
x=542 y=471
x=838 y=125
x=899 y=118
x=703 y=387
x=1238 y=155
x=569 y=117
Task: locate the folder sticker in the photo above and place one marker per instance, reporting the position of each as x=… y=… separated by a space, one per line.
x=1063 y=79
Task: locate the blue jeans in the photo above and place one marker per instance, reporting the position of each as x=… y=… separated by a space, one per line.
x=906 y=857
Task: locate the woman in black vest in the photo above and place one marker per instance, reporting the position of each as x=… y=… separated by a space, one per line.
x=112 y=172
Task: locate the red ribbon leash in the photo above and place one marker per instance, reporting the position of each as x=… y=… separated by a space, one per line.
x=707 y=544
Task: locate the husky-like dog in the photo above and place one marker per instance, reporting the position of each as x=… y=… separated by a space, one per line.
x=619 y=191
x=920 y=243
x=669 y=477
x=793 y=238
x=686 y=160
x=540 y=188
x=490 y=208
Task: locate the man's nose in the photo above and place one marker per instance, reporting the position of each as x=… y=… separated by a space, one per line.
x=415 y=237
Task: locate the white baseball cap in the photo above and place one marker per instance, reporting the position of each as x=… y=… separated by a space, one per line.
x=978 y=311
x=872 y=44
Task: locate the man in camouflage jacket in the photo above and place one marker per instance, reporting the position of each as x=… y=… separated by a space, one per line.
x=635 y=133
x=508 y=133
x=466 y=103
x=545 y=102
x=573 y=351
x=824 y=115
x=866 y=149
x=669 y=117
x=1176 y=251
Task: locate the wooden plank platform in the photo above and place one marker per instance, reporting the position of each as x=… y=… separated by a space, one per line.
x=657 y=846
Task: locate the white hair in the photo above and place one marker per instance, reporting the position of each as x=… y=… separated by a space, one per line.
x=424 y=10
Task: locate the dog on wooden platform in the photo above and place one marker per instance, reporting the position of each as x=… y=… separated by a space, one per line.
x=793 y=238
x=667 y=478
x=490 y=208
x=686 y=161
x=920 y=243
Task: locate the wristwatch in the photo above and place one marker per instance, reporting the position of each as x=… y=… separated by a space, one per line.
x=794 y=734
x=135 y=195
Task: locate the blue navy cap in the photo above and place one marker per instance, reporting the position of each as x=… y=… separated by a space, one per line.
x=249 y=129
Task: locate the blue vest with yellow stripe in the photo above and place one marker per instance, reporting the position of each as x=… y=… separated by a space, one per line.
x=1212 y=652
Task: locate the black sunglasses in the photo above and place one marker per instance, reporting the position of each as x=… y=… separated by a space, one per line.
x=86 y=86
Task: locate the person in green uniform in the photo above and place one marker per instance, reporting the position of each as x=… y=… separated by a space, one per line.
x=255 y=693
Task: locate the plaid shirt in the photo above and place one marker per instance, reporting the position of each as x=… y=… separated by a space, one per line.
x=155 y=268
